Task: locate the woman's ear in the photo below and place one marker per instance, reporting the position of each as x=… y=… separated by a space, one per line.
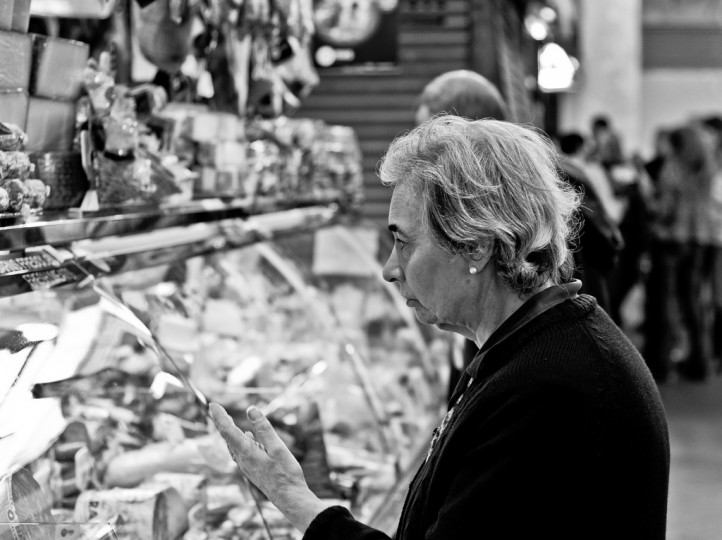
x=479 y=258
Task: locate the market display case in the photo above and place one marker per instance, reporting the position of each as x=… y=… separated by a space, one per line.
x=113 y=343
x=183 y=238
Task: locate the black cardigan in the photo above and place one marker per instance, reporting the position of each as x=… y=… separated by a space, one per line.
x=562 y=435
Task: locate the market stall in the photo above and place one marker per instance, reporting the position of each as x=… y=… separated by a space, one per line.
x=160 y=249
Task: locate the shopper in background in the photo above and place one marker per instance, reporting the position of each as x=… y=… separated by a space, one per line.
x=470 y=95
x=686 y=225
x=557 y=429
x=714 y=125
x=605 y=147
x=661 y=149
x=462 y=93
x=623 y=189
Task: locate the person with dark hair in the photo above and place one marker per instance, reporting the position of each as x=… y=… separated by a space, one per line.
x=556 y=429
x=571 y=144
x=606 y=148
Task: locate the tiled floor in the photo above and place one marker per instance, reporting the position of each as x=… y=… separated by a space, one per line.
x=694 y=415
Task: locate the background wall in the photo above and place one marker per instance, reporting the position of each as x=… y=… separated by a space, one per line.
x=648 y=64
x=610 y=48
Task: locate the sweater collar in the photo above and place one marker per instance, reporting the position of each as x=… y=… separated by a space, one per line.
x=529 y=310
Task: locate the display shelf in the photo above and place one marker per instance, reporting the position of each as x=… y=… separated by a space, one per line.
x=182 y=235
x=61 y=228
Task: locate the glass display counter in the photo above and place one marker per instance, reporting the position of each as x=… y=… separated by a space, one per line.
x=107 y=374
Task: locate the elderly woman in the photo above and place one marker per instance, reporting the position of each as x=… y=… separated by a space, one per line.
x=556 y=429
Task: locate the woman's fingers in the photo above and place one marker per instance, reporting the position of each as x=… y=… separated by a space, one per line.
x=265 y=435
x=238 y=442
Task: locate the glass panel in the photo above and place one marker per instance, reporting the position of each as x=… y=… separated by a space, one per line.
x=406 y=361
x=104 y=405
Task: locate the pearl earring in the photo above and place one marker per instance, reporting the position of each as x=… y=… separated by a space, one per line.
x=473 y=270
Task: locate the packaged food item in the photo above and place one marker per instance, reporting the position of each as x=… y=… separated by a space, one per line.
x=15 y=15
x=6 y=15
x=98 y=82
x=21 y=15
x=37 y=193
x=4 y=199
x=16 y=51
x=14 y=107
x=50 y=125
x=17 y=191
x=12 y=137
x=121 y=127
x=58 y=66
x=14 y=165
x=24 y=508
x=148 y=513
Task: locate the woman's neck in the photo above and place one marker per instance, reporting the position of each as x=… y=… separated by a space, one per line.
x=498 y=306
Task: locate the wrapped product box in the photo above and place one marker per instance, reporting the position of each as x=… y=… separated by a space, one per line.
x=21 y=15
x=222 y=154
x=6 y=15
x=15 y=15
x=16 y=51
x=14 y=107
x=57 y=67
x=215 y=126
x=50 y=125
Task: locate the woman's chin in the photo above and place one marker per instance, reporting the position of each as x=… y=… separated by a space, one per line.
x=424 y=316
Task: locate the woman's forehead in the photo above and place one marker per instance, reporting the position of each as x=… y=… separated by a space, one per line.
x=405 y=210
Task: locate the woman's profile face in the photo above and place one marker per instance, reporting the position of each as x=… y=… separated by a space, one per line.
x=436 y=284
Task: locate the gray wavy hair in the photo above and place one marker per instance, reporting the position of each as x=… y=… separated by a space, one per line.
x=490 y=183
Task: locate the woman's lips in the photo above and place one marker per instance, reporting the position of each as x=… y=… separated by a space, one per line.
x=411 y=302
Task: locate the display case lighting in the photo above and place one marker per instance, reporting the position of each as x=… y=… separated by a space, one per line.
x=76 y=9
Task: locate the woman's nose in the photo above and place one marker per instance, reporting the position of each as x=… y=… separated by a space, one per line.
x=392 y=271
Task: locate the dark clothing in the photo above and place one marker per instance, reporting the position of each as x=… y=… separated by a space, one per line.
x=676 y=302
x=634 y=229
x=600 y=240
x=561 y=434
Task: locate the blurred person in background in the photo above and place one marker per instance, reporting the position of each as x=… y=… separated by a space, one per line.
x=653 y=167
x=470 y=95
x=557 y=429
x=714 y=125
x=631 y=193
x=605 y=146
x=686 y=227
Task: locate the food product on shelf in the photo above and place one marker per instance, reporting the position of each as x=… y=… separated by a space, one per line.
x=37 y=193
x=58 y=66
x=14 y=165
x=50 y=125
x=16 y=58
x=12 y=137
x=4 y=199
x=16 y=191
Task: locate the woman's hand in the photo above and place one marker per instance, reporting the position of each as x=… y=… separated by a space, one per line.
x=262 y=457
